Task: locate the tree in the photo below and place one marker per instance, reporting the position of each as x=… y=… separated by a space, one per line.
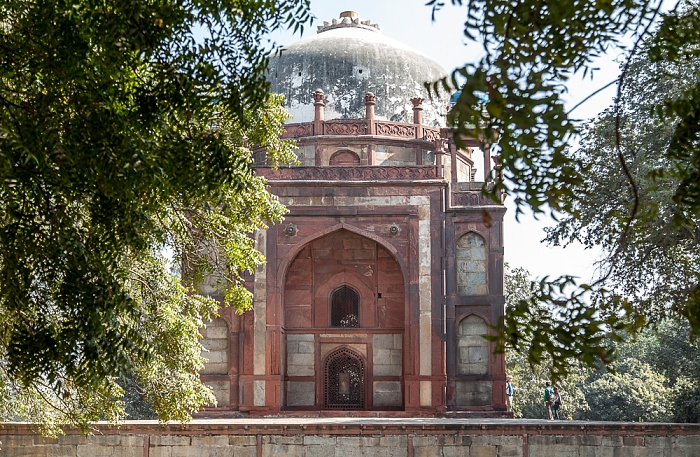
x=630 y=395
x=653 y=378
x=678 y=360
x=531 y=49
x=122 y=135
x=656 y=266
x=530 y=378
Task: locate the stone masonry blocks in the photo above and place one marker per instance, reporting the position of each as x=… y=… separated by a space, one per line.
x=386 y=356
x=301 y=393
x=472 y=348
x=300 y=355
x=471 y=265
x=560 y=440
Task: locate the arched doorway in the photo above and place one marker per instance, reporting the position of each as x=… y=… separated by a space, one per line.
x=344 y=380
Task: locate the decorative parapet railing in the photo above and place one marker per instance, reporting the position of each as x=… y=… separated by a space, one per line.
x=398 y=129
x=362 y=127
x=350 y=173
x=471 y=198
x=431 y=134
x=344 y=127
x=298 y=130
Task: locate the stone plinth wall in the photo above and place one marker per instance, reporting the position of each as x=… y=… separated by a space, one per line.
x=309 y=437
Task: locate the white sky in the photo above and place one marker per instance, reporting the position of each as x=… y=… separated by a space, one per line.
x=409 y=21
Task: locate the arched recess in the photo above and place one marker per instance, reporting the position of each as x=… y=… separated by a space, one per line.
x=302 y=243
x=472 y=265
x=344 y=258
x=215 y=342
x=338 y=259
x=472 y=348
x=323 y=298
x=344 y=158
x=472 y=387
x=344 y=380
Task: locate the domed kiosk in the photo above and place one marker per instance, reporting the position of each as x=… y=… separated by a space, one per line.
x=388 y=268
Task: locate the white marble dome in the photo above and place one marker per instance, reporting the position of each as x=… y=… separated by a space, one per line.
x=348 y=58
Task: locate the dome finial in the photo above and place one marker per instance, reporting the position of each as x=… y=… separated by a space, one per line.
x=348 y=19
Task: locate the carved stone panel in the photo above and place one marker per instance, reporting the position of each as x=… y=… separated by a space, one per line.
x=396 y=129
x=344 y=128
x=298 y=130
x=430 y=134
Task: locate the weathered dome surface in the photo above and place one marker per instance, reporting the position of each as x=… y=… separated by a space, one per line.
x=348 y=59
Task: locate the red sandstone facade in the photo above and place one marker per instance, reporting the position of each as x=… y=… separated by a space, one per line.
x=378 y=284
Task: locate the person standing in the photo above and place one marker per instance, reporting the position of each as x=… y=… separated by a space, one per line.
x=510 y=389
x=556 y=402
x=548 y=399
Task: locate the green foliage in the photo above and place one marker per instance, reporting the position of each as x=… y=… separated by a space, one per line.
x=672 y=354
x=529 y=379
x=656 y=266
x=655 y=377
x=531 y=50
x=122 y=136
x=636 y=394
x=135 y=405
x=686 y=404
x=632 y=187
x=565 y=328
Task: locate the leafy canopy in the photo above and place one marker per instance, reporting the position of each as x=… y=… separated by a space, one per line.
x=653 y=378
x=531 y=50
x=657 y=264
x=122 y=135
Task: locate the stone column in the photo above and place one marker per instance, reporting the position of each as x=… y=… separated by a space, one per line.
x=453 y=159
x=370 y=101
x=487 y=160
x=440 y=146
x=418 y=120
x=319 y=103
x=417 y=110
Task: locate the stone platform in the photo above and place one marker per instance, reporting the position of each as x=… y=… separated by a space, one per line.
x=387 y=437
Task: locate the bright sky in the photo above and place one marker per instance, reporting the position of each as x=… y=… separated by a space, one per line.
x=409 y=21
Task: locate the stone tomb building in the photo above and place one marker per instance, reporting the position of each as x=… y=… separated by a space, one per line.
x=389 y=266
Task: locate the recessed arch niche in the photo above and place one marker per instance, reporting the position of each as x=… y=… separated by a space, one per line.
x=472 y=265
x=215 y=344
x=362 y=280
x=472 y=387
x=472 y=348
x=344 y=258
x=344 y=158
x=345 y=307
